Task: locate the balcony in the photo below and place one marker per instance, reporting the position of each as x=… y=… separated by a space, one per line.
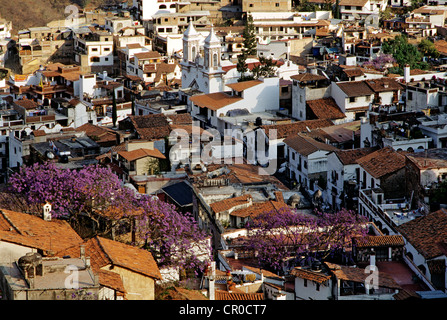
x=47 y=89
x=393 y=212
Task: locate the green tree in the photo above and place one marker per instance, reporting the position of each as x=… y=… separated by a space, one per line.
x=428 y=49
x=266 y=68
x=249 y=49
x=305 y=6
x=404 y=53
x=249 y=35
x=336 y=11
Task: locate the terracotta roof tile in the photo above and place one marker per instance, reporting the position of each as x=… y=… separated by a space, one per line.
x=32 y=231
x=111 y=280
x=104 y=252
x=285 y=130
x=241 y=86
x=227 y=204
x=225 y=295
x=147 y=55
x=355 y=88
x=382 y=162
x=152 y=126
x=304 y=77
x=430 y=159
x=325 y=108
x=379 y=241
x=426 y=233
x=305 y=145
x=350 y=156
x=27 y=104
x=384 y=84
x=98 y=133
x=356 y=274
x=214 y=101
x=260 y=207
x=318 y=277
x=141 y=153
x=353 y=72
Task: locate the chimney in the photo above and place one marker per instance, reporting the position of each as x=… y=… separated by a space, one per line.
x=82 y=251
x=87 y=262
x=407 y=73
x=372 y=259
x=46 y=211
x=212 y=278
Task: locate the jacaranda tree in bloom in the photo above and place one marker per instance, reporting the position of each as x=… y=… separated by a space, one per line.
x=96 y=192
x=279 y=236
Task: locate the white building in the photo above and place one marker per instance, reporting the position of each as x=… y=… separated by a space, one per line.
x=307 y=160
x=342 y=168
x=201 y=65
x=146 y=9
x=253 y=96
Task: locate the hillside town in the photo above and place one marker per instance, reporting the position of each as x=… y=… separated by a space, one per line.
x=226 y=150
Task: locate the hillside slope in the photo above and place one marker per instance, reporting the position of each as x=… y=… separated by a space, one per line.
x=37 y=13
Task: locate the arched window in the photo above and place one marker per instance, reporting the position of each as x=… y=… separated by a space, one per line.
x=162 y=6
x=193 y=53
x=215 y=60
x=172 y=6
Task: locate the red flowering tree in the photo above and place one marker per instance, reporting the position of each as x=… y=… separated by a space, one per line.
x=278 y=237
x=96 y=192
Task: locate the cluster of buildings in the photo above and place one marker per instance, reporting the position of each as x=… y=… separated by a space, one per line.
x=132 y=86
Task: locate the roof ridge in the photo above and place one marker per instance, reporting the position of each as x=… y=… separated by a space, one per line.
x=97 y=238
x=10 y=222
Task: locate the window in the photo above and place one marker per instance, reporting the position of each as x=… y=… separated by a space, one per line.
x=215 y=60
x=276 y=4
x=410 y=95
x=251 y=5
x=106 y=49
x=94 y=49
x=305 y=282
x=347 y=7
x=318 y=287
x=351 y=99
x=95 y=59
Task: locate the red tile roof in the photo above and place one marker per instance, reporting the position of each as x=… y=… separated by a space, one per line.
x=318 y=277
x=260 y=207
x=288 y=129
x=225 y=295
x=104 y=252
x=224 y=205
x=304 y=77
x=379 y=241
x=141 y=153
x=241 y=86
x=214 y=101
x=427 y=234
x=355 y=274
x=305 y=145
x=355 y=88
x=325 y=108
x=34 y=232
x=382 y=162
x=350 y=156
